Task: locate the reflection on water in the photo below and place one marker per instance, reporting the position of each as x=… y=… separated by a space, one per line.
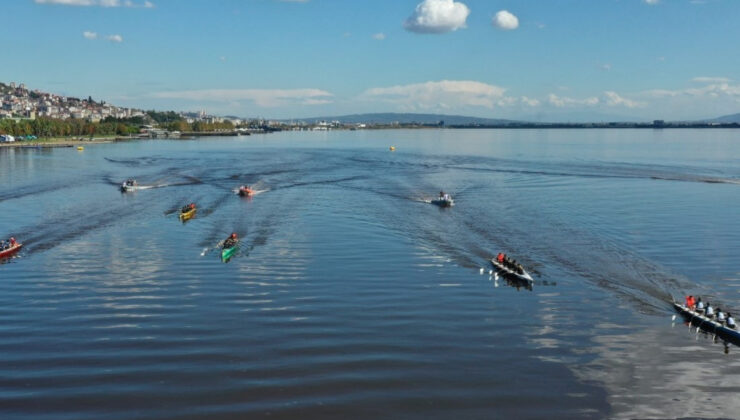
x=353 y=297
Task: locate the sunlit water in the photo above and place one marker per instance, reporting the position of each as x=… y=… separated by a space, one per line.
x=351 y=296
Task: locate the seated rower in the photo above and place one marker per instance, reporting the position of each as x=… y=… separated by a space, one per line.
x=710 y=311
x=500 y=257
x=690 y=303
x=699 y=306
x=231 y=241
x=720 y=315
x=730 y=321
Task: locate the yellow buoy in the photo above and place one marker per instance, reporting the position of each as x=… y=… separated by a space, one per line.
x=393 y=148
x=80 y=148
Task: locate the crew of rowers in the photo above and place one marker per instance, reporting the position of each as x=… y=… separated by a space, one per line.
x=708 y=311
x=187 y=208
x=512 y=265
x=4 y=245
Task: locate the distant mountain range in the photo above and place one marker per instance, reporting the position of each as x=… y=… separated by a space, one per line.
x=728 y=119
x=461 y=120
x=404 y=118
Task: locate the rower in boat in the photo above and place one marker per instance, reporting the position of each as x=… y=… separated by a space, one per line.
x=720 y=316
x=699 y=306
x=730 y=321
x=690 y=303
x=245 y=191
x=187 y=208
x=128 y=185
x=709 y=311
x=231 y=241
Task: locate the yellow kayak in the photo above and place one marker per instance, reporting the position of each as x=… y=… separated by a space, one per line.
x=187 y=215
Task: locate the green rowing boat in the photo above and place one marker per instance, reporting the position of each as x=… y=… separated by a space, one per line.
x=227 y=253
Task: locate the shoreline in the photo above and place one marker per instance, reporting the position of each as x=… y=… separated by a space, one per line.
x=33 y=144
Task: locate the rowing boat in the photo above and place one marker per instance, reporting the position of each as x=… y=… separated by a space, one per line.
x=227 y=253
x=508 y=272
x=128 y=186
x=185 y=216
x=10 y=251
x=444 y=201
x=708 y=325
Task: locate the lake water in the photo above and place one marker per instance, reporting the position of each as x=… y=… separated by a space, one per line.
x=351 y=296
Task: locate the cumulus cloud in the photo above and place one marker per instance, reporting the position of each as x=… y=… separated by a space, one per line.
x=652 y=2
x=505 y=20
x=100 y=3
x=445 y=94
x=564 y=101
x=379 y=36
x=613 y=99
x=262 y=97
x=114 y=38
x=437 y=17
x=90 y=35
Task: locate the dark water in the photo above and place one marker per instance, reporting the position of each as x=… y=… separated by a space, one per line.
x=351 y=297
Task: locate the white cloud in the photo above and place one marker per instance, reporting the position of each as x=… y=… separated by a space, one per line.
x=652 y=2
x=100 y=3
x=704 y=79
x=564 y=101
x=437 y=17
x=114 y=38
x=445 y=94
x=505 y=20
x=262 y=97
x=613 y=99
x=711 y=90
x=606 y=67
x=530 y=101
x=379 y=36
x=90 y=35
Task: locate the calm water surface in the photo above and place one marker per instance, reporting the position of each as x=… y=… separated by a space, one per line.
x=351 y=296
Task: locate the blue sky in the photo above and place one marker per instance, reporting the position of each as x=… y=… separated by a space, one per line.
x=524 y=59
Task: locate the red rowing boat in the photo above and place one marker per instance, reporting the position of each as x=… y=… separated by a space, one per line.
x=10 y=251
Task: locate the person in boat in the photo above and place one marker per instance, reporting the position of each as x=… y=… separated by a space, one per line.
x=12 y=242
x=187 y=208
x=231 y=241
x=730 y=321
x=500 y=257
x=720 y=315
x=441 y=195
x=519 y=269
x=3 y=245
x=690 y=302
x=709 y=311
x=699 y=306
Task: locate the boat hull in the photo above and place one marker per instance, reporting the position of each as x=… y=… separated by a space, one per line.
x=505 y=271
x=707 y=325
x=10 y=251
x=227 y=253
x=443 y=203
x=188 y=215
